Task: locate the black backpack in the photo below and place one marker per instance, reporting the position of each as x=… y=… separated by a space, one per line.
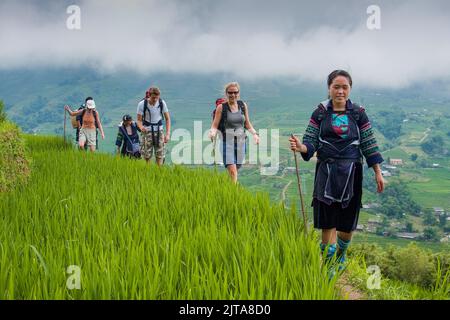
x=225 y=109
x=354 y=113
x=146 y=109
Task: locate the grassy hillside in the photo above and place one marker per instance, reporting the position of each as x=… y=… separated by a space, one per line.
x=139 y=232
x=14 y=165
x=405 y=273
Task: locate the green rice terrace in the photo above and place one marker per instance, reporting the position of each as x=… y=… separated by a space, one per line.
x=148 y=233
x=139 y=232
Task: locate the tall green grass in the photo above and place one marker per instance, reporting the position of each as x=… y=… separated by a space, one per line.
x=407 y=273
x=143 y=232
x=392 y=289
x=14 y=164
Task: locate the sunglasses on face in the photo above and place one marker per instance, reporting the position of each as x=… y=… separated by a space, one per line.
x=232 y=92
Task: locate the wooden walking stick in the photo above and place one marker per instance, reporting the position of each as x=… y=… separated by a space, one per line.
x=299 y=182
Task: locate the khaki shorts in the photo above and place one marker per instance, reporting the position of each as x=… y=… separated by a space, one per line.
x=148 y=147
x=89 y=136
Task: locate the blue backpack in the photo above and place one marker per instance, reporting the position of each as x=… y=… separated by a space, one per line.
x=131 y=147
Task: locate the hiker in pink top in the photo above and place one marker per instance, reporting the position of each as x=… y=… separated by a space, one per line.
x=90 y=121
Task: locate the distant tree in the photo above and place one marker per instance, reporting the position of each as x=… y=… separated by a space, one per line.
x=385 y=222
x=391 y=208
x=429 y=218
x=389 y=123
x=379 y=231
x=433 y=146
x=414 y=157
x=409 y=227
x=431 y=234
x=396 y=200
x=442 y=220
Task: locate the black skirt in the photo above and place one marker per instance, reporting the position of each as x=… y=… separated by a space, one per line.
x=334 y=216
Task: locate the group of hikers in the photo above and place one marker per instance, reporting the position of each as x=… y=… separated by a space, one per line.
x=230 y=119
x=339 y=133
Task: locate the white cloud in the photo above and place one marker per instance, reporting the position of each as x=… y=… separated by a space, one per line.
x=250 y=39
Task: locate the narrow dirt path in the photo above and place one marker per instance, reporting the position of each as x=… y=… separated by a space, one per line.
x=283 y=193
x=348 y=291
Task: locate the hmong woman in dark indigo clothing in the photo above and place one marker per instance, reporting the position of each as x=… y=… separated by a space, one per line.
x=127 y=141
x=341 y=134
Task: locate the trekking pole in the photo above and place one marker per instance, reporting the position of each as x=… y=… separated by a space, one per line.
x=65 y=114
x=214 y=152
x=299 y=182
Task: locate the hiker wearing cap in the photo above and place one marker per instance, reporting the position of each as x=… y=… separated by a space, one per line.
x=127 y=141
x=150 y=114
x=341 y=134
x=231 y=118
x=89 y=122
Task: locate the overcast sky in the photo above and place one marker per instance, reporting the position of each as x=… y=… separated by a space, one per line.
x=250 y=38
